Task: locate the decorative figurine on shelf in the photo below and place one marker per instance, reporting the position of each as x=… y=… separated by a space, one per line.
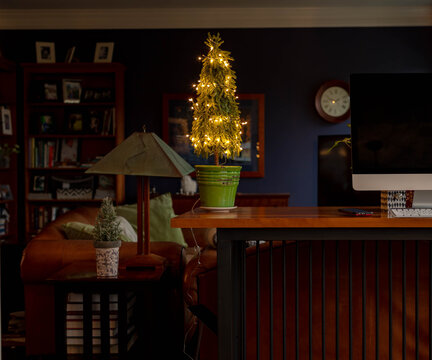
x=5 y=152
x=188 y=185
x=107 y=241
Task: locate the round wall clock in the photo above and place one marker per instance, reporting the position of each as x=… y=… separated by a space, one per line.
x=332 y=101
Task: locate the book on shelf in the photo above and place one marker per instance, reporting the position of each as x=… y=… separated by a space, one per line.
x=114 y=349
x=43 y=153
x=75 y=336
x=39 y=196
x=77 y=308
x=78 y=297
x=107 y=124
x=42 y=215
x=77 y=324
x=74 y=310
x=75 y=316
x=3 y=226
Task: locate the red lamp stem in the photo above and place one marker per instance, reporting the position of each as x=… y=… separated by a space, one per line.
x=139 y=215
x=143 y=197
x=146 y=215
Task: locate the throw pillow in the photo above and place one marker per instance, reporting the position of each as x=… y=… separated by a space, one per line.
x=128 y=233
x=79 y=231
x=161 y=212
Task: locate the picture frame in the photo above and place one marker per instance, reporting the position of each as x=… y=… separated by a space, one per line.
x=177 y=117
x=72 y=91
x=50 y=91
x=69 y=151
x=45 y=52
x=5 y=192
x=46 y=124
x=75 y=122
x=39 y=183
x=70 y=54
x=95 y=122
x=104 y=52
x=6 y=121
x=98 y=95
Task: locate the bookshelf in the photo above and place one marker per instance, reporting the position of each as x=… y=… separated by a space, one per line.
x=8 y=169
x=73 y=115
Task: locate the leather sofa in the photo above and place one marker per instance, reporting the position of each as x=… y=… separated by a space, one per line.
x=49 y=251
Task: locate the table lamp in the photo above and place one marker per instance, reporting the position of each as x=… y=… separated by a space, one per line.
x=143 y=155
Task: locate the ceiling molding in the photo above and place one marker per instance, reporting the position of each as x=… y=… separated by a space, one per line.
x=287 y=17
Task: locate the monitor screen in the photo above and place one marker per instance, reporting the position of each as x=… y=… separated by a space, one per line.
x=391 y=128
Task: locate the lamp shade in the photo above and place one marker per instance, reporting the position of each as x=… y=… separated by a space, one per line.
x=144 y=154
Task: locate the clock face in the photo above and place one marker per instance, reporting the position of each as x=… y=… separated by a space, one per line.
x=335 y=101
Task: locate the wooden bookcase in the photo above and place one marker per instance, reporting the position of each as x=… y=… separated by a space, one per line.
x=8 y=175
x=73 y=115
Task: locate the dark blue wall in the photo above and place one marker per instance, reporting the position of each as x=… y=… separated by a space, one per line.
x=287 y=65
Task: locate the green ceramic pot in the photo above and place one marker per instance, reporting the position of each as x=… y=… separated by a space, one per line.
x=217 y=184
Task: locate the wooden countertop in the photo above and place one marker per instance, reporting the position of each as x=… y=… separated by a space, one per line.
x=293 y=217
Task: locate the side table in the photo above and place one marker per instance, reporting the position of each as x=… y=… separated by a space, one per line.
x=80 y=277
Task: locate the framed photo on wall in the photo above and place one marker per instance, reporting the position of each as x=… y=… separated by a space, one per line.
x=177 y=124
x=45 y=52
x=39 y=184
x=104 y=52
x=5 y=192
x=6 y=120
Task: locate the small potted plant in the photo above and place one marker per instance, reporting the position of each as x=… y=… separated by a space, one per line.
x=5 y=152
x=107 y=241
x=216 y=127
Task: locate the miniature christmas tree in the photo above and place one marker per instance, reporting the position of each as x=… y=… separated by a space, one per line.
x=216 y=128
x=107 y=227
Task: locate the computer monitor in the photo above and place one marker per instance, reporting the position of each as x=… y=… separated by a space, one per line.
x=391 y=129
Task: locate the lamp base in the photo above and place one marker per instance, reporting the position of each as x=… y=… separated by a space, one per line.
x=148 y=262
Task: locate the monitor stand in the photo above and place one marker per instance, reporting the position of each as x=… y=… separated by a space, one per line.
x=422 y=199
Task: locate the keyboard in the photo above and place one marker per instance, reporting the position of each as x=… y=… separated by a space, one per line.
x=410 y=212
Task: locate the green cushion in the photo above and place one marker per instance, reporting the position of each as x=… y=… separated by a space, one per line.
x=161 y=212
x=79 y=231
x=76 y=230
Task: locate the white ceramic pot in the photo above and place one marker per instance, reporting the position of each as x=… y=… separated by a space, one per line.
x=107 y=258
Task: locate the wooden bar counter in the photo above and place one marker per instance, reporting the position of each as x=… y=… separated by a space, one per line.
x=292 y=217
x=237 y=226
